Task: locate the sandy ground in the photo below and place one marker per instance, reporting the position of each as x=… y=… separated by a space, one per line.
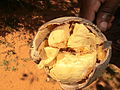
x=18 y=26
x=17 y=70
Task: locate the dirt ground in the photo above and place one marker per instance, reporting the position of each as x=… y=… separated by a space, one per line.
x=19 y=22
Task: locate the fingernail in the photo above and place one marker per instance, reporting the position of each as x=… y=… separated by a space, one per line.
x=103 y=25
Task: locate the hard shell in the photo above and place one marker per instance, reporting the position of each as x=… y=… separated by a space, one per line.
x=45 y=30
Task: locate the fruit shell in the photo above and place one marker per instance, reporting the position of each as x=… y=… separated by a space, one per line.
x=45 y=30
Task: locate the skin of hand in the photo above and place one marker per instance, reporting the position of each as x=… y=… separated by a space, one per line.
x=100 y=11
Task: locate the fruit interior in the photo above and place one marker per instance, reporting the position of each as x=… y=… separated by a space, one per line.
x=70 y=52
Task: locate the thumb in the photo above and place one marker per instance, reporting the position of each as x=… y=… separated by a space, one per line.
x=105 y=15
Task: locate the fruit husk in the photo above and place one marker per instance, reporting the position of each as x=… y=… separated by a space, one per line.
x=45 y=30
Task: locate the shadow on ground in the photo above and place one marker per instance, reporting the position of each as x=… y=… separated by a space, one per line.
x=32 y=14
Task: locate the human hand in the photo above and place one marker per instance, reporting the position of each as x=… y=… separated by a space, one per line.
x=100 y=11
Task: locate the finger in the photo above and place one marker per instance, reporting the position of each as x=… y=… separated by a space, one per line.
x=89 y=8
x=109 y=25
x=103 y=20
x=113 y=17
x=105 y=14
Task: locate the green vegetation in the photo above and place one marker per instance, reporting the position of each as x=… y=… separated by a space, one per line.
x=5 y=62
x=14 y=68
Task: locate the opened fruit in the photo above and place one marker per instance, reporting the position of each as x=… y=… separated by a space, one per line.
x=72 y=50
